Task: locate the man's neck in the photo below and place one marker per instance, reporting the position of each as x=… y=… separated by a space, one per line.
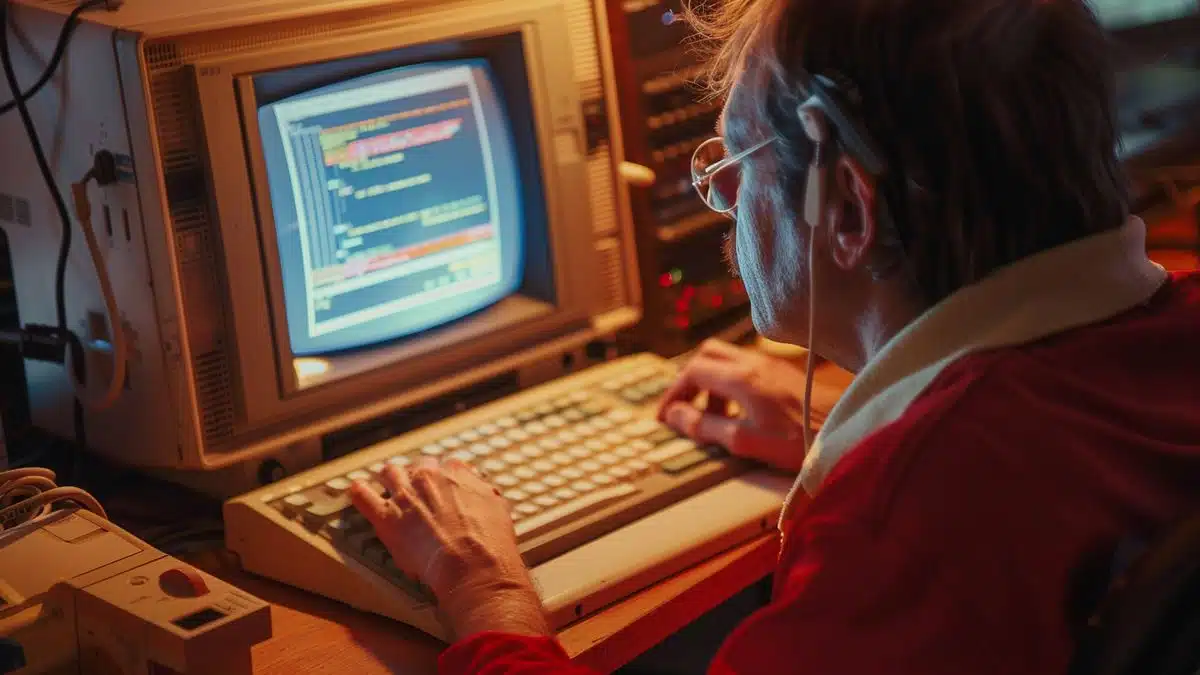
x=888 y=312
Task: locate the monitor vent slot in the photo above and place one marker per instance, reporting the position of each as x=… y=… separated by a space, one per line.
x=196 y=240
x=612 y=272
x=582 y=34
x=603 y=197
x=215 y=395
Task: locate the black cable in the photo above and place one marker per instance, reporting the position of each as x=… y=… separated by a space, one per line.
x=60 y=204
x=60 y=50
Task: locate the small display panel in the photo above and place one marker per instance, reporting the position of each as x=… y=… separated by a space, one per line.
x=396 y=202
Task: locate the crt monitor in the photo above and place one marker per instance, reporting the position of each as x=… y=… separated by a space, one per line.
x=1125 y=14
x=396 y=203
x=335 y=214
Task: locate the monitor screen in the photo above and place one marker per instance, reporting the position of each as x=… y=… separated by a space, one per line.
x=396 y=202
x=1120 y=14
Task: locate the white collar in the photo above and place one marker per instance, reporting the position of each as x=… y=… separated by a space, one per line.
x=1078 y=284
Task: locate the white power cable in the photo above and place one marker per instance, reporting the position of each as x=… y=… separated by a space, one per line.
x=120 y=350
x=27 y=495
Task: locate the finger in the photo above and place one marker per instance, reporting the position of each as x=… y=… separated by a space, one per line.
x=468 y=476
x=397 y=482
x=685 y=387
x=369 y=503
x=734 y=435
x=724 y=379
x=719 y=349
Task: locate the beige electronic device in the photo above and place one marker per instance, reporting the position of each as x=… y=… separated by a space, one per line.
x=323 y=214
x=605 y=500
x=80 y=595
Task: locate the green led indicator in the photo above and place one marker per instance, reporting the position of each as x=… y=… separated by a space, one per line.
x=676 y=275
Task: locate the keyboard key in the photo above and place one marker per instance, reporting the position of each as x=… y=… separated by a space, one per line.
x=662 y=436
x=493 y=466
x=619 y=472
x=505 y=481
x=536 y=428
x=562 y=459
x=580 y=451
x=612 y=386
x=633 y=395
x=297 y=501
x=400 y=461
x=534 y=488
x=376 y=468
x=545 y=501
x=487 y=430
x=594 y=407
x=517 y=435
x=316 y=515
x=526 y=416
x=637 y=466
x=573 y=415
x=499 y=442
x=528 y=509
x=580 y=397
x=568 y=437
x=543 y=466
x=688 y=460
x=607 y=459
x=554 y=421
x=642 y=446
x=602 y=424
x=550 y=444
x=585 y=430
x=359 y=475
x=602 y=479
x=583 y=486
x=515 y=495
x=558 y=515
x=614 y=438
x=570 y=473
x=532 y=451
x=670 y=449
x=469 y=436
x=641 y=428
x=590 y=466
x=463 y=456
x=433 y=450
x=451 y=443
x=524 y=473
x=481 y=449
x=563 y=402
x=597 y=445
x=513 y=458
x=553 y=480
x=336 y=486
x=566 y=494
x=544 y=409
x=620 y=415
x=506 y=423
x=625 y=452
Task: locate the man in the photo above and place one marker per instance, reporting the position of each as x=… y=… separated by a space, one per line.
x=1028 y=388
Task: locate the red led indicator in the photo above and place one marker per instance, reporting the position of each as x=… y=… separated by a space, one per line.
x=682 y=306
x=682 y=322
x=716 y=300
x=665 y=280
x=689 y=292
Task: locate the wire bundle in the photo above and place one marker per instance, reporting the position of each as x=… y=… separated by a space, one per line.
x=27 y=495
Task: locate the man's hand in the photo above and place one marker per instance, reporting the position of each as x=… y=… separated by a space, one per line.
x=768 y=424
x=452 y=530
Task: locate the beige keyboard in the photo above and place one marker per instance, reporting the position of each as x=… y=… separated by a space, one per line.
x=577 y=459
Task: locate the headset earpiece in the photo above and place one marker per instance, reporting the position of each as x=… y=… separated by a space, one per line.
x=816 y=127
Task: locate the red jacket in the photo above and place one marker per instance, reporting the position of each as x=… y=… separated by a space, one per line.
x=959 y=537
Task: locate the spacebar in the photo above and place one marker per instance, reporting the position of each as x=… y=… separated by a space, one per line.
x=554 y=517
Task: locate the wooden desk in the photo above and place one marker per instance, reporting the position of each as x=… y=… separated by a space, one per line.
x=312 y=635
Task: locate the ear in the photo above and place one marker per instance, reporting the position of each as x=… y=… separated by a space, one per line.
x=852 y=225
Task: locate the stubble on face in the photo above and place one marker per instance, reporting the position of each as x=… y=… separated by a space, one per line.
x=729 y=249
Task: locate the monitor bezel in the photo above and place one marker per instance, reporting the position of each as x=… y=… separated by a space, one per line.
x=268 y=392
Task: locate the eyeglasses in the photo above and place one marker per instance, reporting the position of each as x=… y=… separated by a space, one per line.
x=716 y=175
